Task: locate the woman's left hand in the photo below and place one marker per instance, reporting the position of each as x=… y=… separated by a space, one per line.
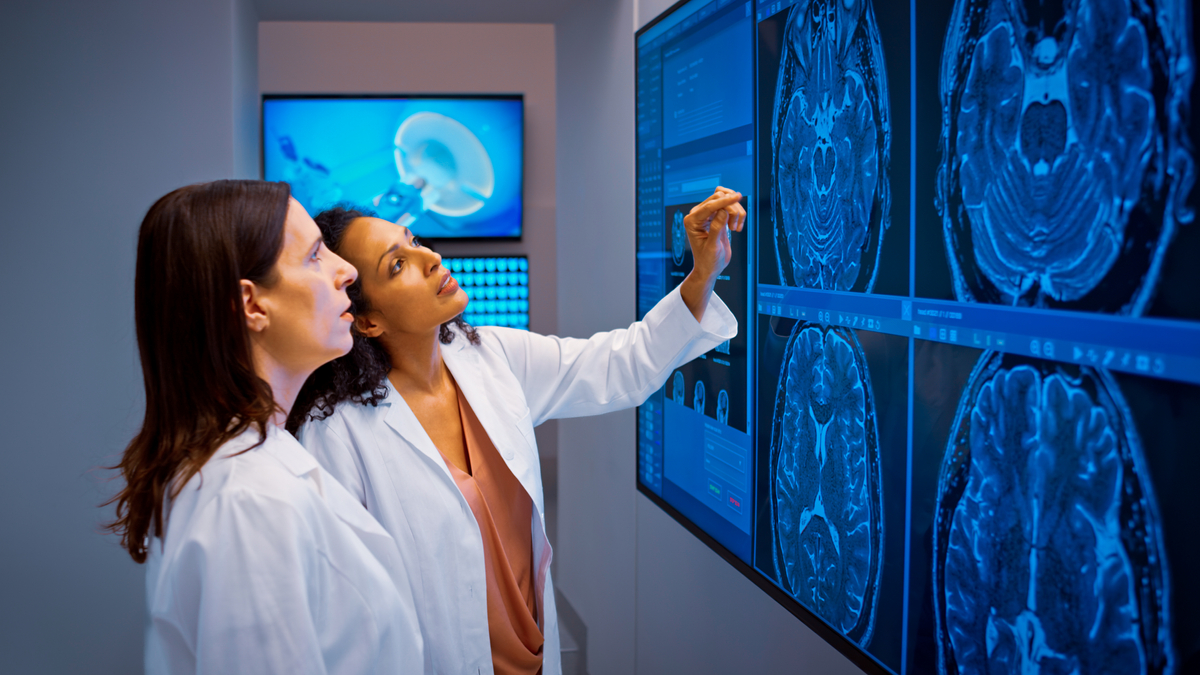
x=708 y=225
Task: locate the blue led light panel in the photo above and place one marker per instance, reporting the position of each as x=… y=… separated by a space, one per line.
x=498 y=289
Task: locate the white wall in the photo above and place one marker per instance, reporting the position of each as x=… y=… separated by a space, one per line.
x=596 y=498
x=107 y=106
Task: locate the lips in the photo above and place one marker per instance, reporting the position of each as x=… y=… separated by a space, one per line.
x=448 y=285
x=346 y=315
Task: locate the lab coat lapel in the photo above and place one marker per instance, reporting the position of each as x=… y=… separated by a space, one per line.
x=302 y=464
x=466 y=366
x=406 y=425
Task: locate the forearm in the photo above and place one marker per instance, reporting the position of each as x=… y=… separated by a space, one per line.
x=695 y=291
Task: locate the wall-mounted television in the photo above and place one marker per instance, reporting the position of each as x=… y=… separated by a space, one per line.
x=448 y=167
x=956 y=432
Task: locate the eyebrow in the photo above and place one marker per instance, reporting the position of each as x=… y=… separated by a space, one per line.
x=393 y=247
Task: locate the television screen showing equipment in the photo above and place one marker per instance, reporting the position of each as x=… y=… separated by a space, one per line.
x=956 y=432
x=447 y=167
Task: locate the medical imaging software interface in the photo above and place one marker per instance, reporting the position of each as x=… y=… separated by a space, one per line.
x=957 y=431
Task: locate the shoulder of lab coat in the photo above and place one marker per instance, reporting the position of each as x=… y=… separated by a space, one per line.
x=612 y=370
x=242 y=581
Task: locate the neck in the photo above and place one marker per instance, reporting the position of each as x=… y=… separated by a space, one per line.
x=417 y=363
x=285 y=382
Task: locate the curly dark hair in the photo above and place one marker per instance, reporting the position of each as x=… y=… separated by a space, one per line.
x=359 y=375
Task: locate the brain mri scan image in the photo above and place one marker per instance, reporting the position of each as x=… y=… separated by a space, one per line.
x=678 y=388
x=678 y=239
x=1048 y=554
x=698 y=397
x=831 y=143
x=1066 y=164
x=723 y=407
x=825 y=493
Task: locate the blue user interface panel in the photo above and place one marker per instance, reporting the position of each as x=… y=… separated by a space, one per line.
x=498 y=289
x=973 y=334
x=695 y=131
x=451 y=167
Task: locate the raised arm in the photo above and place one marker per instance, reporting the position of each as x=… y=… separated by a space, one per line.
x=565 y=377
x=613 y=370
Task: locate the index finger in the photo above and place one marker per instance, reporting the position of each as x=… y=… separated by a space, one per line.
x=713 y=204
x=718 y=193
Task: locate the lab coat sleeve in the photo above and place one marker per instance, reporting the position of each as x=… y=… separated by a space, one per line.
x=326 y=441
x=574 y=377
x=247 y=587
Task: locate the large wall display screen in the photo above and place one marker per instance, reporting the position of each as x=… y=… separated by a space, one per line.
x=451 y=168
x=957 y=430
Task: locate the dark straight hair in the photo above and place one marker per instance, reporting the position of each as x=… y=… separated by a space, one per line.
x=195 y=246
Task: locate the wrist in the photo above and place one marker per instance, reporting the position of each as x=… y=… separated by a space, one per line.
x=695 y=291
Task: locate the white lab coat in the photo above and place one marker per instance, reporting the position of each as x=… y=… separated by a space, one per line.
x=514 y=381
x=269 y=566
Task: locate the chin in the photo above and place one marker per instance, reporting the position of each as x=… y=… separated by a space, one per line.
x=342 y=346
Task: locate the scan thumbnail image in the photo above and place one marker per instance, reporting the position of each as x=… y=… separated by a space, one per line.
x=1066 y=161
x=825 y=522
x=829 y=181
x=1041 y=536
x=714 y=385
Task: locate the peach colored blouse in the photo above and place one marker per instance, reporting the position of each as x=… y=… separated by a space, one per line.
x=504 y=512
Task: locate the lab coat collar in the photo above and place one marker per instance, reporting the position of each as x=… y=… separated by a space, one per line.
x=463 y=361
x=406 y=425
x=288 y=452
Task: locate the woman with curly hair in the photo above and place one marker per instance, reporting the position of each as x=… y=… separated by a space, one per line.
x=258 y=561
x=429 y=423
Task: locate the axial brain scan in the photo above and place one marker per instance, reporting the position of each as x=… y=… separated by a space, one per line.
x=678 y=239
x=1048 y=555
x=677 y=388
x=825 y=487
x=831 y=144
x=1065 y=160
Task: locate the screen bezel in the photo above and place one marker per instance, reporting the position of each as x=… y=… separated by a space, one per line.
x=262 y=138
x=850 y=650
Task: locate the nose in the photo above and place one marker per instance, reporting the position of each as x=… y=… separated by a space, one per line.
x=344 y=273
x=435 y=261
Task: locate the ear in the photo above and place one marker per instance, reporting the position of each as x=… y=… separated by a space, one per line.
x=256 y=314
x=364 y=324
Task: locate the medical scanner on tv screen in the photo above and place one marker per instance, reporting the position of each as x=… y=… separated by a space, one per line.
x=957 y=431
x=447 y=167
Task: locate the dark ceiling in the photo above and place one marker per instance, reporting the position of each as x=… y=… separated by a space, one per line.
x=474 y=11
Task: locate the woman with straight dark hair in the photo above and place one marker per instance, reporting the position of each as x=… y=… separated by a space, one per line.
x=429 y=423
x=259 y=561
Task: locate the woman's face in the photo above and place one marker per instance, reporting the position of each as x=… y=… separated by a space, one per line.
x=409 y=291
x=306 y=309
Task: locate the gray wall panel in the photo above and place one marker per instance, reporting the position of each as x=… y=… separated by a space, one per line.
x=107 y=107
